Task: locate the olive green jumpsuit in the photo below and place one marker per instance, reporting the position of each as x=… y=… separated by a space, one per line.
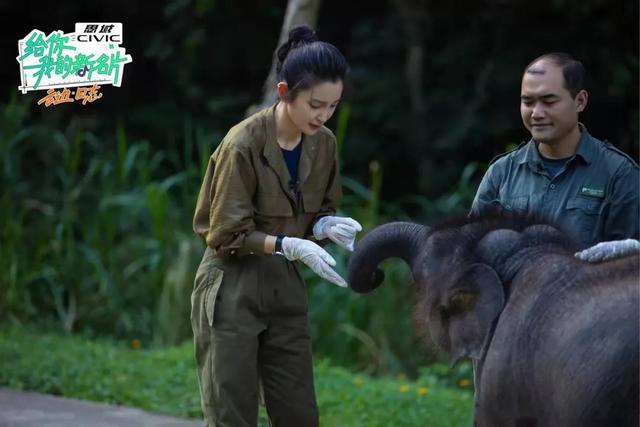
x=249 y=310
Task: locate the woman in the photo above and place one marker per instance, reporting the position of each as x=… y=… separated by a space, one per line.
x=269 y=194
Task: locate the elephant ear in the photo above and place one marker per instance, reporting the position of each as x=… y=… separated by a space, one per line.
x=470 y=310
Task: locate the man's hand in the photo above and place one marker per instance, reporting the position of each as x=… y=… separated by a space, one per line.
x=608 y=250
x=340 y=230
x=313 y=256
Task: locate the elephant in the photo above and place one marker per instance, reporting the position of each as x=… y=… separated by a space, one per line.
x=553 y=339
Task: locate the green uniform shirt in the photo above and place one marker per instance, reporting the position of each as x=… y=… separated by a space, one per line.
x=594 y=198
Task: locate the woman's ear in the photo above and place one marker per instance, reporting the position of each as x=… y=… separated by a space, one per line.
x=283 y=90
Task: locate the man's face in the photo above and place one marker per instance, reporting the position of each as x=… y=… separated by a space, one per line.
x=547 y=108
x=313 y=107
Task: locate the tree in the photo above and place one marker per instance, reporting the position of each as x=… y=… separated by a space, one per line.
x=298 y=12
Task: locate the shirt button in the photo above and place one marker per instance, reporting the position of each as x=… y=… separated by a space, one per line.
x=552 y=186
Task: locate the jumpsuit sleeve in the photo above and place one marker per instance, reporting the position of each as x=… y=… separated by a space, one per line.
x=224 y=212
x=487 y=192
x=622 y=218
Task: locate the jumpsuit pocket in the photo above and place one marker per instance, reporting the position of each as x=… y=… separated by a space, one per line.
x=312 y=200
x=273 y=205
x=211 y=293
x=205 y=293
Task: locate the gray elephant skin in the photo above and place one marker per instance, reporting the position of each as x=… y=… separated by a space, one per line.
x=554 y=340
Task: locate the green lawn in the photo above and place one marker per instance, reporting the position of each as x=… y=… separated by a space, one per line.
x=164 y=381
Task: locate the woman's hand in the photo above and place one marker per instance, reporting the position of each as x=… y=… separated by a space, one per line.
x=340 y=230
x=313 y=256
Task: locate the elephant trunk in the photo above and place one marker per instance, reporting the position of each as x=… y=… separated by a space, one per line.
x=395 y=239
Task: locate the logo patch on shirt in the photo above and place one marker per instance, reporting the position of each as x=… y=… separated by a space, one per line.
x=592 y=192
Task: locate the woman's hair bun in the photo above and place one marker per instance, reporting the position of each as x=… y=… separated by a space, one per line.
x=298 y=36
x=303 y=61
x=302 y=34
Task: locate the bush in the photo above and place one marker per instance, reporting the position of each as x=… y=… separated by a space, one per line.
x=102 y=243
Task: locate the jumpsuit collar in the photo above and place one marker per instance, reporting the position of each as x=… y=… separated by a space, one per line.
x=274 y=157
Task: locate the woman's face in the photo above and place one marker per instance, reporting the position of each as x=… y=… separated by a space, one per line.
x=314 y=106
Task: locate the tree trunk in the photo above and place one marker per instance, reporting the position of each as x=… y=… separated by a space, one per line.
x=413 y=14
x=298 y=12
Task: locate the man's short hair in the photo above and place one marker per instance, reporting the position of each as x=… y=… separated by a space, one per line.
x=572 y=70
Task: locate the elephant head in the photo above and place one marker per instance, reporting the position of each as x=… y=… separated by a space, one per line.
x=459 y=295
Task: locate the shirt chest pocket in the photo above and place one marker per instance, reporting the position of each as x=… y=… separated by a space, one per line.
x=516 y=204
x=585 y=211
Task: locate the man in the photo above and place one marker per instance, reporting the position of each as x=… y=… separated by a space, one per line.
x=589 y=189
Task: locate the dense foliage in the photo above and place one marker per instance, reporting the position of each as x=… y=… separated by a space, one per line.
x=96 y=201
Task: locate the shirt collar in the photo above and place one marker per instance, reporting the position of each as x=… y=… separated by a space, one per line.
x=586 y=150
x=586 y=145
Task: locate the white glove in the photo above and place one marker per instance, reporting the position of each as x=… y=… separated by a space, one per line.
x=314 y=256
x=339 y=230
x=609 y=250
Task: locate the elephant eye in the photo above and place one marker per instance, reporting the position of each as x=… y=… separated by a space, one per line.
x=459 y=302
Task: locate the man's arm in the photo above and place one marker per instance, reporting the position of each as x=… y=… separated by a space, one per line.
x=487 y=192
x=622 y=220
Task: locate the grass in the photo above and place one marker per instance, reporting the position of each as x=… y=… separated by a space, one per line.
x=164 y=381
